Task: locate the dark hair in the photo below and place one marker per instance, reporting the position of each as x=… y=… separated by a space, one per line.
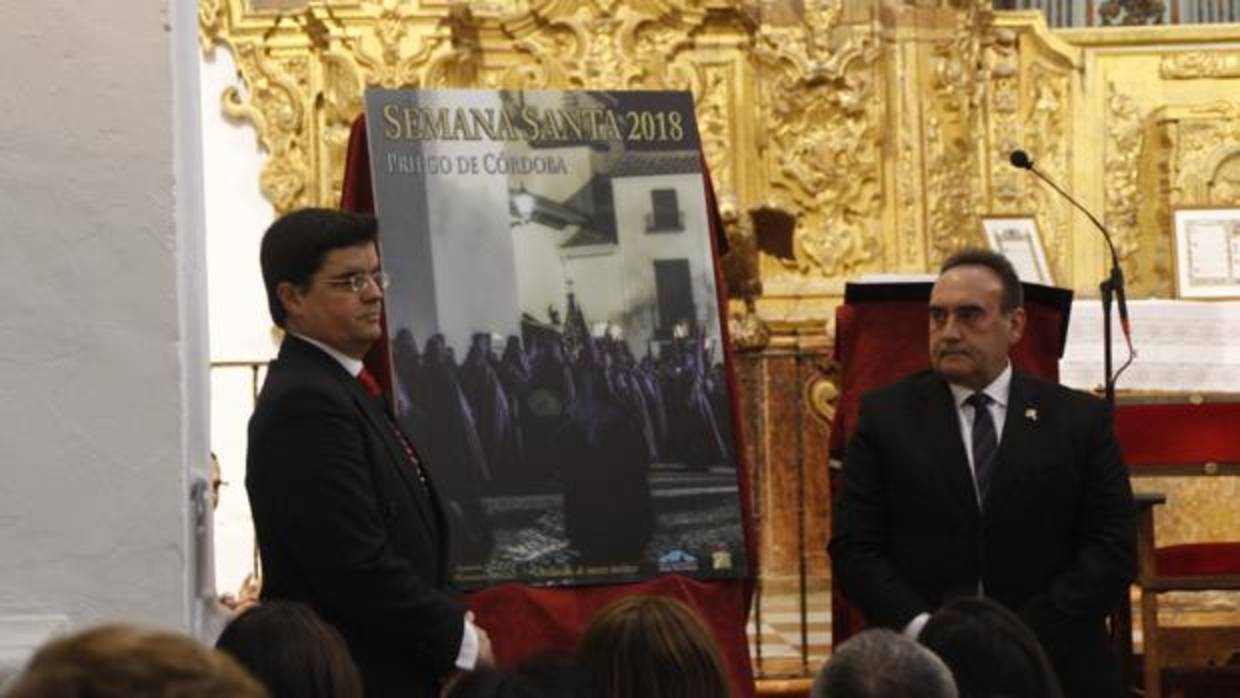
x=121 y=661
x=651 y=647
x=292 y=651
x=989 y=650
x=879 y=663
x=555 y=673
x=294 y=246
x=1013 y=293
x=493 y=683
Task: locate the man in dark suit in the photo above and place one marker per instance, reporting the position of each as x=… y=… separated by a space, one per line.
x=972 y=479
x=346 y=519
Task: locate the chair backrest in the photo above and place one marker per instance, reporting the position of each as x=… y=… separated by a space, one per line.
x=1180 y=436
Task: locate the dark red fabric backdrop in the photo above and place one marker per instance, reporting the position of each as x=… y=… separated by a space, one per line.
x=523 y=620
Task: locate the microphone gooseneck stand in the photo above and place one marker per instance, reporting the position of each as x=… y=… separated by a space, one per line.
x=1110 y=289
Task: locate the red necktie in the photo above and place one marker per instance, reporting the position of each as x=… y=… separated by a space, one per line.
x=370 y=383
x=372 y=386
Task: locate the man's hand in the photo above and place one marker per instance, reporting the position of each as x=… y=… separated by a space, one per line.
x=486 y=657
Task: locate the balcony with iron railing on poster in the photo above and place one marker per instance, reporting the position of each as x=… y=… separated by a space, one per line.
x=1120 y=13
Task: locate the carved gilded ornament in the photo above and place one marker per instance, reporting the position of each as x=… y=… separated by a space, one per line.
x=1006 y=127
x=1047 y=136
x=1224 y=186
x=1200 y=64
x=821 y=394
x=908 y=190
x=953 y=186
x=302 y=72
x=1208 y=143
x=747 y=330
x=1125 y=140
x=823 y=148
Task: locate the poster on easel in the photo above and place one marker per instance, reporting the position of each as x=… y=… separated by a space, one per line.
x=554 y=332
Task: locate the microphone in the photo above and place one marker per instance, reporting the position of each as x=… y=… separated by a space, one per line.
x=1021 y=160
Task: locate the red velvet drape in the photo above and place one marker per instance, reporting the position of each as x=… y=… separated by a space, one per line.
x=523 y=620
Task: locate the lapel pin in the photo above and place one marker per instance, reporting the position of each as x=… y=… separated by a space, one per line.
x=1031 y=413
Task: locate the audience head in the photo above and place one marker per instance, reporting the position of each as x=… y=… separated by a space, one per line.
x=292 y=651
x=121 y=661
x=879 y=663
x=989 y=651
x=556 y=674
x=549 y=674
x=493 y=683
x=651 y=647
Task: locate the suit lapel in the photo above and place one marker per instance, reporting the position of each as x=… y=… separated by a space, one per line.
x=396 y=451
x=1019 y=438
x=947 y=447
x=297 y=350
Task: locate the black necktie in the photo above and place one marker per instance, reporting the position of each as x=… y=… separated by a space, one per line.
x=985 y=442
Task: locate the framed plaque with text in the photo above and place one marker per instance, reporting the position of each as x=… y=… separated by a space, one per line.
x=1207 y=252
x=1016 y=237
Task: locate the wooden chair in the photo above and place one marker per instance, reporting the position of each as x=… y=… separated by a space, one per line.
x=1180 y=437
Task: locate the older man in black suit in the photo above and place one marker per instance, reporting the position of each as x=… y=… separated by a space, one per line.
x=346 y=518
x=973 y=479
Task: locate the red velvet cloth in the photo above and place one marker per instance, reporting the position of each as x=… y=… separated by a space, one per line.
x=524 y=620
x=1156 y=435
x=1197 y=559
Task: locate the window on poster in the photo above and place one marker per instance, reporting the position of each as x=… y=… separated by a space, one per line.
x=666 y=216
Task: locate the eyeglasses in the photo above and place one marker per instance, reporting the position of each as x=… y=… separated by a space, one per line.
x=358 y=281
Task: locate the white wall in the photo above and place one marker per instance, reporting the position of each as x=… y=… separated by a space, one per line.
x=103 y=421
x=237 y=213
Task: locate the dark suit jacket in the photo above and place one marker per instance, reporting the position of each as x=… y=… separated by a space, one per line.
x=344 y=526
x=1055 y=540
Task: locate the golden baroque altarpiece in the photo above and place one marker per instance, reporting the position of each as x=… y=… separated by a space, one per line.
x=844 y=137
x=882 y=127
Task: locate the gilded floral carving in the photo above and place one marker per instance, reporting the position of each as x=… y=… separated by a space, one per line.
x=1207 y=138
x=867 y=138
x=953 y=182
x=1125 y=140
x=823 y=148
x=907 y=189
x=1047 y=137
x=1006 y=127
x=1200 y=64
x=1224 y=186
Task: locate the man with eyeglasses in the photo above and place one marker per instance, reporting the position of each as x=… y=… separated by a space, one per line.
x=346 y=517
x=971 y=479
